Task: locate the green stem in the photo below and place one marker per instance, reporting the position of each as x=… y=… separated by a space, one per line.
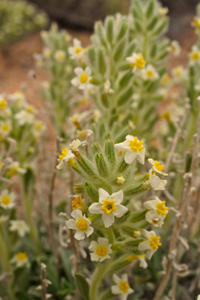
x=4 y=255
x=33 y=232
x=97 y=279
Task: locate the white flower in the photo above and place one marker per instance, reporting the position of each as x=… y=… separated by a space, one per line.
x=149 y=73
x=30 y=108
x=18 y=97
x=14 y=168
x=163 y=11
x=24 y=117
x=196 y=24
x=77 y=203
x=75 y=145
x=151 y=244
x=60 y=55
x=156 y=183
x=134 y=149
x=109 y=206
x=178 y=74
x=38 y=128
x=82 y=81
x=101 y=250
x=157 y=167
x=194 y=55
x=20 y=260
x=198 y=297
x=107 y=87
x=97 y=114
x=7 y=200
x=3 y=219
x=5 y=128
x=166 y=80
x=64 y=157
x=143 y=263
x=158 y=211
x=81 y=225
x=136 y=61
x=175 y=48
x=122 y=287
x=20 y=226
x=77 y=51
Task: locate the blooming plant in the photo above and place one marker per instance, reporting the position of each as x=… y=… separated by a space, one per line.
x=125 y=225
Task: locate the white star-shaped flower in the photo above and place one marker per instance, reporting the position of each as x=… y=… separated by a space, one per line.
x=194 y=55
x=158 y=211
x=20 y=260
x=133 y=148
x=109 y=206
x=122 y=287
x=136 y=61
x=24 y=117
x=82 y=81
x=149 y=73
x=107 y=87
x=20 y=226
x=77 y=51
x=156 y=183
x=80 y=224
x=151 y=244
x=65 y=156
x=60 y=55
x=175 y=48
x=157 y=167
x=101 y=250
x=7 y=200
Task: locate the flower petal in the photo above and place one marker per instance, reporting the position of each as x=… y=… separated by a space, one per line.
x=108 y=219
x=95 y=208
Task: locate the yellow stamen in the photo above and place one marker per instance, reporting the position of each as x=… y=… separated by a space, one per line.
x=82 y=224
x=83 y=78
x=108 y=206
x=195 y=56
x=149 y=74
x=158 y=166
x=121 y=152
x=21 y=256
x=154 y=242
x=135 y=145
x=161 y=208
x=139 y=62
x=64 y=152
x=101 y=250
x=5 y=200
x=78 y=50
x=77 y=202
x=123 y=286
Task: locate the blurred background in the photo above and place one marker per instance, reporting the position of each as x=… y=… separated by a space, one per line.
x=22 y=20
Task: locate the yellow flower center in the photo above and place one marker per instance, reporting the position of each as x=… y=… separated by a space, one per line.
x=158 y=166
x=149 y=74
x=72 y=163
x=139 y=62
x=83 y=78
x=78 y=50
x=135 y=145
x=77 y=202
x=82 y=224
x=64 y=152
x=5 y=200
x=108 y=206
x=21 y=256
x=101 y=250
x=154 y=242
x=178 y=72
x=161 y=208
x=165 y=79
x=30 y=110
x=3 y=104
x=5 y=127
x=123 y=286
x=38 y=126
x=195 y=56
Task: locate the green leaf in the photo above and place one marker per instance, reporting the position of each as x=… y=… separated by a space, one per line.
x=86 y=166
x=125 y=79
x=152 y=24
x=92 y=193
x=109 y=28
x=162 y=27
x=138 y=216
x=122 y=31
x=101 y=61
x=150 y=9
x=118 y=53
x=101 y=165
x=92 y=55
x=125 y=97
x=96 y=148
x=82 y=286
x=110 y=152
x=66 y=264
